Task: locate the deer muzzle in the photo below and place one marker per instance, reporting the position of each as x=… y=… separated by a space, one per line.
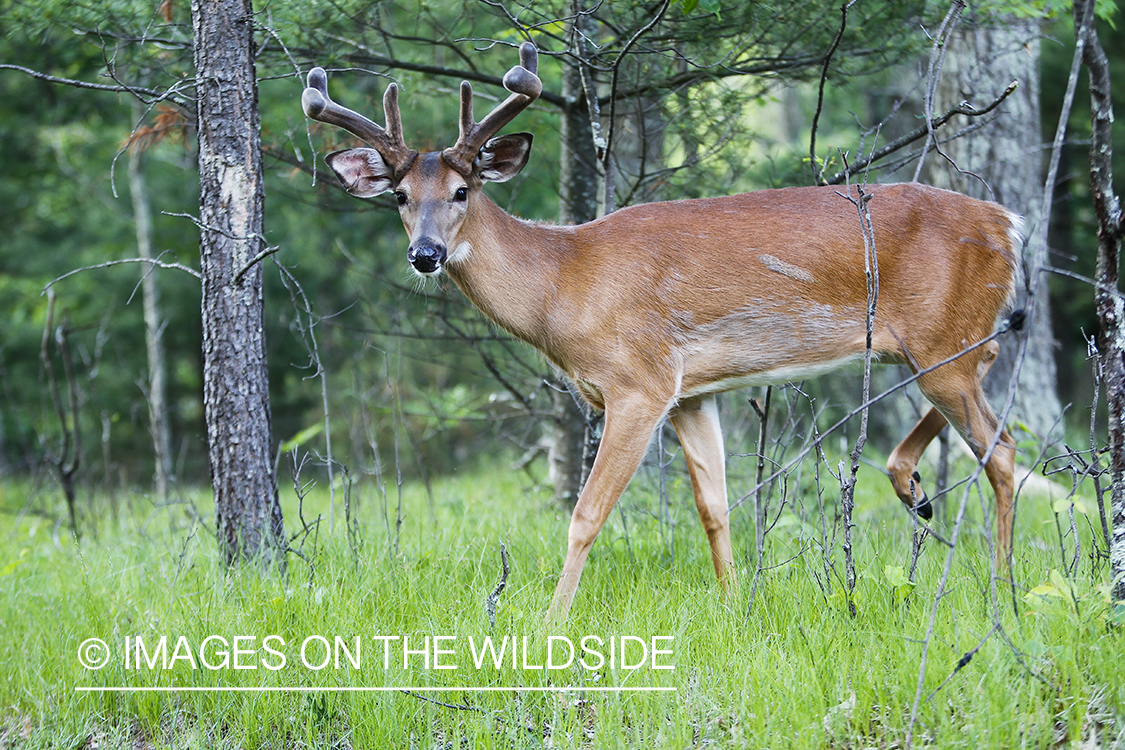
x=427 y=256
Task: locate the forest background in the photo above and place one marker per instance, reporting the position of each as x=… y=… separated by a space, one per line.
x=398 y=363
x=394 y=357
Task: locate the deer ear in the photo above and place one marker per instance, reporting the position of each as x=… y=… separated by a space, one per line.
x=502 y=158
x=362 y=171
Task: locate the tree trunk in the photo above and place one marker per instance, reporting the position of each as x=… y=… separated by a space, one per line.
x=1111 y=308
x=235 y=385
x=573 y=443
x=638 y=148
x=154 y=331
x=1006 y=156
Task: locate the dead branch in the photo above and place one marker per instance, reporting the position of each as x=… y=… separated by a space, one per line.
x=964 y=108
x=171 y=93
x=151 y=261
x=937 y=60
x=491 y=599
x=67 y=459
x=1013 y=323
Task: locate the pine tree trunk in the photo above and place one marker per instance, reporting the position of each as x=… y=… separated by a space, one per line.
x=573 y=443
x=235 y=385
x=1006 y=156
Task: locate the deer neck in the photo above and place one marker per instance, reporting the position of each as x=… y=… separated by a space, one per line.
x=508 y=268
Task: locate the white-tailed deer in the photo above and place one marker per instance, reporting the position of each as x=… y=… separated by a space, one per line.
x=654 y=309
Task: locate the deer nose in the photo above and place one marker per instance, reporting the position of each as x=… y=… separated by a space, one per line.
x=426 y=256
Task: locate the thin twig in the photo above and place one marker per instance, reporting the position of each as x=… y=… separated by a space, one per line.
x=613 y=100
x=818 y=173
x=964 y=108
x=815 y=445
x=963 y=661
x=255 y=260
x=457 y=706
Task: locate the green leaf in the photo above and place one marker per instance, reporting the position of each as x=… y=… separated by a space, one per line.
x=895 y=575
x=1106 y=10
x=303 y=436
x=711 y=6
x=1060 y=583
x=1062 y=506
x=1042 y=590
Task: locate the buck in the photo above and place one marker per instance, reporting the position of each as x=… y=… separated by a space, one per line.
x=654 y=309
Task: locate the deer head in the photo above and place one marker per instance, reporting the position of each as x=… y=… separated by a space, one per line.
x=436 y=191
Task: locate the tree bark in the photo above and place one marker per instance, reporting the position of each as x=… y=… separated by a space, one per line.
x=1111 y=308
x=573 y=442
x=235 y=384
x=1002 y=161
x=156 y=394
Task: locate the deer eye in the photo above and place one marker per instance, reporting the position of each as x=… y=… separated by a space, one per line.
x=400 y=197
x=461 y=195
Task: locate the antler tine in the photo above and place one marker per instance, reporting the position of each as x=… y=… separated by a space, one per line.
x=394 y=118
x=465 y=124
x=525 y=86
x=387 y=141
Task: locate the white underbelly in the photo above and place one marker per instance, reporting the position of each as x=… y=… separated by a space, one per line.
x=785 y=374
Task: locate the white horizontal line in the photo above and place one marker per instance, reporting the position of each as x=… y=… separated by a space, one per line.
x=361 y=689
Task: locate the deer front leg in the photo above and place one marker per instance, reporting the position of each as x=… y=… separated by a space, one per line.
x=701 y=436
x=629 y=426
x=903 y=462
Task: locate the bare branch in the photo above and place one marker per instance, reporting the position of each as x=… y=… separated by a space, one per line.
x=937 y=59
x=254 y=261
x=613 y=98
x=815 y=445
x=151 y=261
x=964 y=108
x=120 y=89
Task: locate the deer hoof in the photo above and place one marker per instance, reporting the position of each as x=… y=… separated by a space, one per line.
x=923 y=508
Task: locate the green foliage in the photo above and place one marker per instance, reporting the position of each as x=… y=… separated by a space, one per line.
x=404 y=367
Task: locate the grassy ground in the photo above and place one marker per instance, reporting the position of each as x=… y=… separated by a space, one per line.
x=796 y=670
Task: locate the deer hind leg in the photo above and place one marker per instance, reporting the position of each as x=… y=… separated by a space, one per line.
x=697 y=425
x=902 y=464
x=629 y=425
x=955 y=390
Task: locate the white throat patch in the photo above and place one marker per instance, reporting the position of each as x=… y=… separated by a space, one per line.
x=460 y=253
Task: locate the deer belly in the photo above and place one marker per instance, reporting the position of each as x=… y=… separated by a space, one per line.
x=697 y=386
x=764 y=345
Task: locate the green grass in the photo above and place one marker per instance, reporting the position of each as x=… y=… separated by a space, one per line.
x=796 y=671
